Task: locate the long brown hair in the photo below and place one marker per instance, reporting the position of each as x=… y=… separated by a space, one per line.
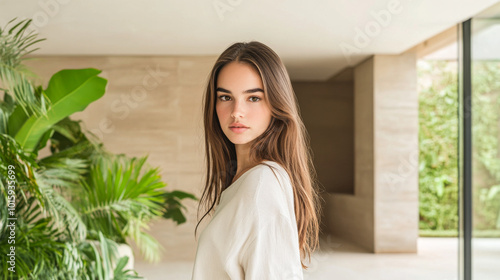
x=285 y=141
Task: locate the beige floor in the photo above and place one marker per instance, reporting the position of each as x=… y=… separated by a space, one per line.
x=437 y=259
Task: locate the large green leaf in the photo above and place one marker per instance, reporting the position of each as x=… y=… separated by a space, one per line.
x=69 y=91
x=16 y=120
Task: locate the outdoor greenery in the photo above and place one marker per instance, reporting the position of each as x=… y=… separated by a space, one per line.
x=438 y=140
x=62 y=216
x=438 y=131
x=486 y=144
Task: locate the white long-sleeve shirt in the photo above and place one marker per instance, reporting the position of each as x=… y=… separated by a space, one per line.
x=253 y=232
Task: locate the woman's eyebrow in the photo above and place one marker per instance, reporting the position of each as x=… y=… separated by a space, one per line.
x=252 y=90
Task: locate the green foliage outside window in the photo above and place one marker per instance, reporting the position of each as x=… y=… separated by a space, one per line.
x=438 y=143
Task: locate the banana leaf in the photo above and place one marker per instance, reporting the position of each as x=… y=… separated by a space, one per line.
x=69 y=91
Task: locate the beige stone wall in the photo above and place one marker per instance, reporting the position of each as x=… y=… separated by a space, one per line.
x=396 y=153
x=382 y=214
x=152 y=105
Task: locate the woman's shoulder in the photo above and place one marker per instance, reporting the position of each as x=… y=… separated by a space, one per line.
x=270 y=182
x=267 y=166
x=267 y=172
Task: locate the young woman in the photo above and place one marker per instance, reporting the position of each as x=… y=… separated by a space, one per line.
x=260 y=174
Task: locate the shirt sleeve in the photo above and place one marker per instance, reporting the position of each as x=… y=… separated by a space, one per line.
x=274 y=252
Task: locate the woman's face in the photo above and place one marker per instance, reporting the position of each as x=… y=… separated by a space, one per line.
x=240 y=99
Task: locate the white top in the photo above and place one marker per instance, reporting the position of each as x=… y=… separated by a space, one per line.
x=253 y=232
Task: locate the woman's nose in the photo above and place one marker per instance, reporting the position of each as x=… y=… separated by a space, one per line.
x=238 y=109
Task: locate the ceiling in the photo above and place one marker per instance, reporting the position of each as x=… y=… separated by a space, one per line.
x=315 y=39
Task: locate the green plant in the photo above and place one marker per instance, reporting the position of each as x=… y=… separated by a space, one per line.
x=438 y=139
x=438 y=135
x=119 y=202
x=74 y=206
x=486 y=144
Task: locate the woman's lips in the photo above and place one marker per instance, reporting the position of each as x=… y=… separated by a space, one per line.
x=238 y=129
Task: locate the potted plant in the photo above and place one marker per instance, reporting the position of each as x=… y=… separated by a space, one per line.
x=69 y=212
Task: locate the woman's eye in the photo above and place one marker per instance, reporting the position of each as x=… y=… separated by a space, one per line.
x=223 y=96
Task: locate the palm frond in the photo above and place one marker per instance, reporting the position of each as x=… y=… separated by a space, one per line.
x=121 y=197
x=121 y=274
x=65 y=216
x=103 y=262
x=15 y=43
x=63 y=172
x=39 y=245
x=149 y=247
x=18 y=167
